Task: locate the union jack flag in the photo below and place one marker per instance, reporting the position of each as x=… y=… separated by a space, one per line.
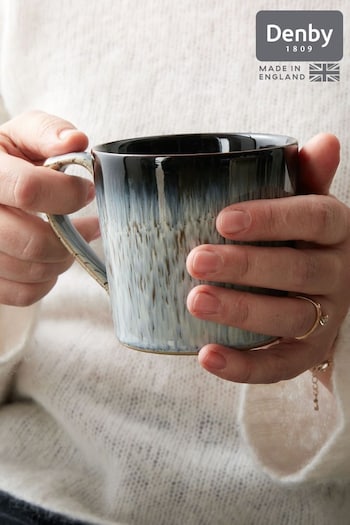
x=324 y=72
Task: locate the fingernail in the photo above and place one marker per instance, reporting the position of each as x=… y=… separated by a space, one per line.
x=214 y=361
x=206 y=261
x=205 y=303
x=234 y=221
x=64 y=134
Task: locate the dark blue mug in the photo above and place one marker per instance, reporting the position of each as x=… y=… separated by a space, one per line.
x=158 y=197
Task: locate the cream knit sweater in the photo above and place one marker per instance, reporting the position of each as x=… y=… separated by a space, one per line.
x=110 y=435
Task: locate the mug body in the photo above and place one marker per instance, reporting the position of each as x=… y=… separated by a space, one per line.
x=158 y=198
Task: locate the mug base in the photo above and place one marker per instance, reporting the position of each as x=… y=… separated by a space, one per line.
x=264 y=344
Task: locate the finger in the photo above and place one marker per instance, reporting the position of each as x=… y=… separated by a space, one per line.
x=319 y=159
x=38 y=135
x=88 y=227
x=275 y=268
x=29 y=282
x=281 y=361
x=264 y=314
x=39 y=189
x=23 y=294
x=313 y=218
x=29 y=238
x=20 y=271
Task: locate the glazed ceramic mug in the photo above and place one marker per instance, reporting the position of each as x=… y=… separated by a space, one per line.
x=157 y=198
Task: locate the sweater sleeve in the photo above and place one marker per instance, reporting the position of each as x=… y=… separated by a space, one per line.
x=15 y=327
x=292 y=441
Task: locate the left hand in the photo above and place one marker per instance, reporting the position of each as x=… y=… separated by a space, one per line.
x=318 y=268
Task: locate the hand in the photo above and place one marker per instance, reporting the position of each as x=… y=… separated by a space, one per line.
x=31 y=256
x=318 y=267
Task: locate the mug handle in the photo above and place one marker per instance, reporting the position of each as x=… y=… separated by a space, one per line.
x=63 y=227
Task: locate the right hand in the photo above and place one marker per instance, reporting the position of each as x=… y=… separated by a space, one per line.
x=31 y=255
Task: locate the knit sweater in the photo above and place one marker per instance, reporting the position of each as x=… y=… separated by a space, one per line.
x=109 y=435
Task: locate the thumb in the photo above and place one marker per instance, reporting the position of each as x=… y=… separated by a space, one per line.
x=36 y=135
x=318 y=159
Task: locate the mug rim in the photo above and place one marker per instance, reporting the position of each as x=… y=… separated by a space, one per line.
x=278 y=141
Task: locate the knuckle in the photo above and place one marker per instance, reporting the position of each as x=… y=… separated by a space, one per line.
x=240 y=314
x=305 y=271
x=35 y=248
x=328 y=217
x=47 y=123
x=271 y=218
x=26 y=192
x=243 y=263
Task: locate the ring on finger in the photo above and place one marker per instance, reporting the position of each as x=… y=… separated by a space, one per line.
x=321 y=319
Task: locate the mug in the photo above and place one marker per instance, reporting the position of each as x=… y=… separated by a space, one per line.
x=157 y=198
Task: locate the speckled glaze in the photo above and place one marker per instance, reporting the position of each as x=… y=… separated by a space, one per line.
x=158 y=197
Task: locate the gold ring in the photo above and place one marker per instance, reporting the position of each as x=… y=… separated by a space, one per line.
x=320 y=319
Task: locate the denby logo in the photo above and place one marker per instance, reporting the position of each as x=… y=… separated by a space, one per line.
x=299 y=36
x=312 y=35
